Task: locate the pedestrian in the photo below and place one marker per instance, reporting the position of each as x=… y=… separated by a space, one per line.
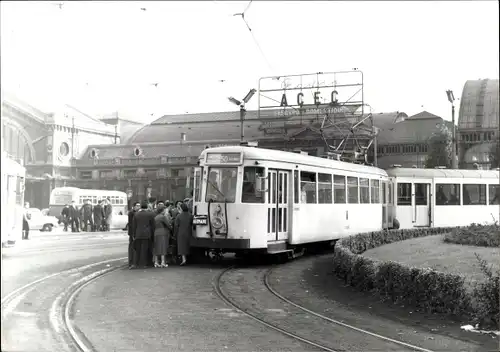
x=143 y=230
x=108 y=213
x=98 y=216
x=74 y=215
x=190 y=203
x=163 y=231
x=175 y=210
x=65 y=216
x=184 y=232
x=130 y=226
x=87 y=216
x=26 y=225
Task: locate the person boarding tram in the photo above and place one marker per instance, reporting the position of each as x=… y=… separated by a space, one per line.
x=143 y=231
x=131 y=251
x=163 y=232
x=183 y=232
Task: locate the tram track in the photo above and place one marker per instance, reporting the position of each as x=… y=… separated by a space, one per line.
x=250 y=293
x=39 y=315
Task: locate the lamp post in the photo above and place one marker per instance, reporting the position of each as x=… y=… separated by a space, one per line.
x=243 y=111
x=451 y=99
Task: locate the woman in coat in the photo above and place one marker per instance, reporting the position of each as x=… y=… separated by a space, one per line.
x=163 y=231
x=184 y=231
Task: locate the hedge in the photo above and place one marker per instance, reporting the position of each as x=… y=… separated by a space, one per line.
x=427 y=289
x=475 y=235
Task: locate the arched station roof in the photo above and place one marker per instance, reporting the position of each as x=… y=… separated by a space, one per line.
x=479 y=105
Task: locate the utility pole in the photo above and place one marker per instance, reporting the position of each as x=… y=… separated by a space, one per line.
x=243 y=111
x=72 y=137
x=451 y=99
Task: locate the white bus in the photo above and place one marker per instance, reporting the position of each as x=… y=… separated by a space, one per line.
x=444 y=197
x=13 y=182
x=65 y=195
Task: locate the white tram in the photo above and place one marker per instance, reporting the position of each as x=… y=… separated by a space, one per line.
x=443 y=197
x=248 y=198
x=13 y=181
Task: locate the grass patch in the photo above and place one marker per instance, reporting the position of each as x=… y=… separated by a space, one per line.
x=475 y=235
x=432 y=252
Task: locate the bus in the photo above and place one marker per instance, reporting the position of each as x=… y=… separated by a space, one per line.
x=13 y=181
x=66 y=195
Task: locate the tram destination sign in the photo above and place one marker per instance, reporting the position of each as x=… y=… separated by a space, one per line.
x=224 y=158
x=321 y=93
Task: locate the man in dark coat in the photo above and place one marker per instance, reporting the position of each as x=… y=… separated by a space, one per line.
x=74 y=215
x=65 y=216
x=130 y=227
x=108 y=212
x=143 y=229
x=87 y=215
x=98 y=211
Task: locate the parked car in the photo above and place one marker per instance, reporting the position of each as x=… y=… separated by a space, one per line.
x=119 y=221
x=38 y=221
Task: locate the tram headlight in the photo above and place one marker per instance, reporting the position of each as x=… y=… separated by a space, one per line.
x=217 y=222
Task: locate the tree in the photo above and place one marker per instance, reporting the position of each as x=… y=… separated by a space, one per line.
x=494 y=155
x=439 y=149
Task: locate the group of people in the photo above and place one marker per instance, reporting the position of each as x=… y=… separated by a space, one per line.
x=98 y=217
x=159 y=231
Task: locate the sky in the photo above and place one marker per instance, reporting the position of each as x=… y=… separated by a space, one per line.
x=103 y=57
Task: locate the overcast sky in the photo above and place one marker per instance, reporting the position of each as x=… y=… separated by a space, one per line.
x=104 y=56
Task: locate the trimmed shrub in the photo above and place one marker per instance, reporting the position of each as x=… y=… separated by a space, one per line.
x=475 y=235
x=430 y=290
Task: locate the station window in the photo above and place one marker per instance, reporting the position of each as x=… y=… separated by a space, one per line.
x=494 y=194
x=474 y=194
x=296 y=187
x=324 y=189
x=364 y=190
x=339 y=189
x=352 y=190
x=197 y=185
x=375 y=191
x=404 y=193
x=447 y=194
x=308 y=187
x=249 y=193
x=421 y=193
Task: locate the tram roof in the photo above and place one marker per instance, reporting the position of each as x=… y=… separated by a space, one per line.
x=294 y=158
x=12 y=167
x=442 y=173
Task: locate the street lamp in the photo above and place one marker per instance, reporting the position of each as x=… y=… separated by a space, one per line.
x=243 y=111
x=451 y=99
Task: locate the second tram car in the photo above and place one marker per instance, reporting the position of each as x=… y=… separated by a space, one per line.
x=248 y=198
x=444 y=197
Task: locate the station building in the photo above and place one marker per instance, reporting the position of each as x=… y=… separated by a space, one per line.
x=70 y=148
x=478 y=123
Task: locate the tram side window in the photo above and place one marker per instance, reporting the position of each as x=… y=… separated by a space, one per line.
x=375 y=191
x=352 y=190
x=494 y=191
x=474 y=194
x=364 y=190
x=421 y=193
x=308 y=187
x=249 y=193
x=19 y=190
x=324 y=189
x=404 y=193
x=296 y=187
x=447 y=194
x=339 y=189
x=197 y=190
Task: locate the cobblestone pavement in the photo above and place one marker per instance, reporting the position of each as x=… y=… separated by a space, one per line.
x=171 y=309
x=310 y=282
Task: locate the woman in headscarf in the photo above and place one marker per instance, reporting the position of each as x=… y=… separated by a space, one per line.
x=184 y=231
x=163 y=231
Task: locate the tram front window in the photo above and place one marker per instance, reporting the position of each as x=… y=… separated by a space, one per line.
x=221 y=184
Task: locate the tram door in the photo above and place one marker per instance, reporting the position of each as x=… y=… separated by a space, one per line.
x=421 y=204
x=278 y=205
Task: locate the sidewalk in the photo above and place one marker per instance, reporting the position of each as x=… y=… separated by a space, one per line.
x=60 y=234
